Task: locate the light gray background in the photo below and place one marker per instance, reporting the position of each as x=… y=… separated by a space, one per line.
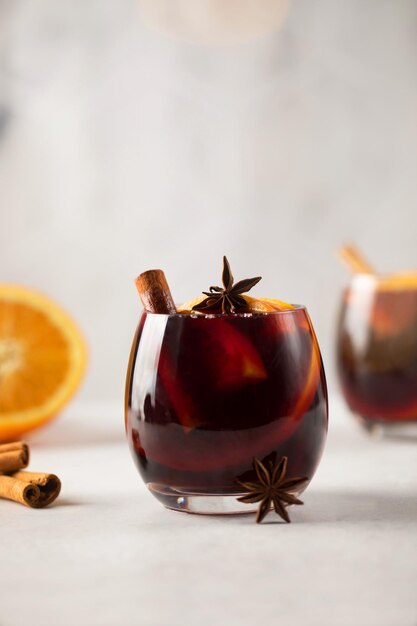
x=122 y=149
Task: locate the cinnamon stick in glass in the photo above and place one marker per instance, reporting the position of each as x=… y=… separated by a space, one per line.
x=33 y=489
x=155 y=293
x=355 y=260
x=13 y=456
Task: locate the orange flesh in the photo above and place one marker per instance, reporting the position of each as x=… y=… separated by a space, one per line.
x=42 y=360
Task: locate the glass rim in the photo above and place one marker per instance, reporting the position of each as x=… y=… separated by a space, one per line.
x=398 y=281
x=246 y=315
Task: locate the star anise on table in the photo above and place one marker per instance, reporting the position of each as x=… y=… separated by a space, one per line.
x=226 y=299
x=273 y=489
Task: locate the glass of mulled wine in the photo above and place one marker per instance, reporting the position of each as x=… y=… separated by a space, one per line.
x=377 y=351
x=207 y=394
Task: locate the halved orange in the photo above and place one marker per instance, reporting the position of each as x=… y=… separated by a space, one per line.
x=42 y=359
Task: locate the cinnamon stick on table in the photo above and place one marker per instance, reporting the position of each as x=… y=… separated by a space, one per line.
x=33 y=489
x=155 y=293
x=13 y=456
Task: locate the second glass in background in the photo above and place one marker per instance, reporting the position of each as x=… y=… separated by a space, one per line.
x=377 y=351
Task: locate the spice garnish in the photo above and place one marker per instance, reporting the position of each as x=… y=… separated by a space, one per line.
x=273 y=489
x=33 y=489
x=155 y=293
x=227 y=298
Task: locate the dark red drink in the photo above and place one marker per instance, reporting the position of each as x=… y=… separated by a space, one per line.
x=206 y=394
x=377 y=349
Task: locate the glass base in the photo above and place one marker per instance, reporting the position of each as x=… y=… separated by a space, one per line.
x=406 y=430
x=201 y=503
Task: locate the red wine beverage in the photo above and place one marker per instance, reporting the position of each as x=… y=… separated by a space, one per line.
x=206 y=394
x=377 y=350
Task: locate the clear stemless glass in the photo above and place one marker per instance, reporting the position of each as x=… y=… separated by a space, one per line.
x=207 y=394
x=377 y=352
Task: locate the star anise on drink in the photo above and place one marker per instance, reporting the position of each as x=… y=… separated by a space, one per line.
x=226 y=299
x=273 y=489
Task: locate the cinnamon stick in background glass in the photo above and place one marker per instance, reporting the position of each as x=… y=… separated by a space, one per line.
x=355 y=260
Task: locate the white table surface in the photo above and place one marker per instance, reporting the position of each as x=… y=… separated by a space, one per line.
x=107 y=553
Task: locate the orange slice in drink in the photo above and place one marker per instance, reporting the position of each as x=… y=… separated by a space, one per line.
x=42 y=360
x=236 y=364
x=389 y=301
x=177 y=452
x=278 y=305
x=186 y=308
x=254 y=305
x=398 y=282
